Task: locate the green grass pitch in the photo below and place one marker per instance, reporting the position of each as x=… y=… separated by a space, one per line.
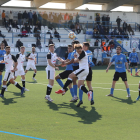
x=110 y=118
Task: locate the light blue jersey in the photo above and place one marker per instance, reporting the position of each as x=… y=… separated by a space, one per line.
x=72 y=57
x=90 y=56
x=69 y=67
x=120 y=61
x=2 y=53
x=133 y=57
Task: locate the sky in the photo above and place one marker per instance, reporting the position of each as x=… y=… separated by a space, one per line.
x=62 y=6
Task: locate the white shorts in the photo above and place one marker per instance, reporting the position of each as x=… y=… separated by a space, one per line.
x=31 y=66
x=50 y=74
x=8 y=76
x=81 y=73
x=19 y=73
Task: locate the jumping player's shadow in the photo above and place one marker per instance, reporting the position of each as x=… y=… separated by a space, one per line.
x=7 y=101
x=17 y=93
x=52 y=106
x=128 y=101
x=86 y=117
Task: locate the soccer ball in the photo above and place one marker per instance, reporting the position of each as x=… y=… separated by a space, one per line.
x=71 y=35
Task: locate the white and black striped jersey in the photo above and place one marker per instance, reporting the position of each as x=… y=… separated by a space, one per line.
x=9 y=59
x=20 y=59
x=53 y=58
x=33 y=56
x=83 y=57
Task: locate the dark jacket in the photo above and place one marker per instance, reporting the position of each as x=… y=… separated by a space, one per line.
x=35 y=17
x=19 y=15
x=118 y=20
x=24 y=15
x=124 y=25
x=5 y=42
x=19 y=44
x=35 y=29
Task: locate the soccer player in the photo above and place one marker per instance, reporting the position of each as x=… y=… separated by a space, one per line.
x=20 y=70
x=86 y=46
x=133 y=59
x=31 y=62
x=69 y=70
x=139 y=93
x=120 y=70
x=81 y=58
x=50 y=70
x=2 y=65
x=8 y=60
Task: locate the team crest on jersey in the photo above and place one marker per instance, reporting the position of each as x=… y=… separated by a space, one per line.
x=121 y=58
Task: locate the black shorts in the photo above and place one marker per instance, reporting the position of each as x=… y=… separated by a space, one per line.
x=117 y=75
x=2 y=66
x=65 y=74
x=89 y=77
x=75 y=68
x=133 y=64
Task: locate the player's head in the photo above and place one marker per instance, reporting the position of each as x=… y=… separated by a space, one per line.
x=75 y=42
x=78 y=48
x=2 y=46
x=33 y=49
x=134 y=50
x=118 y=50
x=51 y=48
x=86 y=46
x=70 y=48
x=8 y=49
x=22 y=49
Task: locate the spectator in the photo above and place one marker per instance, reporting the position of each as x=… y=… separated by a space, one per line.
x=111 y=44
x=9 y=27
x=50 y=42
x=50 y=34
x=60 y=18
x=24 y=17
x=5 y=42
x=15 y=25
x=45 y=19
x=98 y=19
x=10 y=17
x=78 y=28
x=3 y=18
x=40 y=17
x=118 y=20
x=34 y=18
x=72 y=27
x=35 y=29
x=107 y=20
x=66 y=55
x=38 y=34
x=70 y=21
x=124 y=26
x=129 y=28
x=39 y=25
x=24 y=33
x=19 y=18
x=1 y=35
x=103 y=20
x=28 y=28
x=38 y=44
x=121 y=31
x=77 y=18
x=55 y=20
x=23 y=28
x=6 y=24
x=84 y=28
x=19 y=44
x=66 y=18
x=96 y=43
x=30 y=17
x=56 y=34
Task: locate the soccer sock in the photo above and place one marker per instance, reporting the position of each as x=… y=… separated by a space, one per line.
x=18 y=86
x=3 y=89
x=128 y=91
x=136 y=69
x=49 y=89
x=23 y=83
x=112 y=90
x=34 y=75
x=84 y=89
x=75 y=90
x=139 y=92
x=92 y=95
x=8 y=84
x=68 y=82
x=60 y=82
x=80 y=94
x=72 y=92
x=131 y=70
x=0 y=80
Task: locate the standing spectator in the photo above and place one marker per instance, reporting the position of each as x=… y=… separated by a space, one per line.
x=49 y=34
x=24 y=17
x=3 y=18
x=71 y=19
x=130 y=30
x=107 y=20
x=24 y=33
x=45 y=19
x=118 y=20
x=103 y=20
x=23 y=28
x=124 y=26
x=10 y=17
x=72 y=27
x=60 y=18
x=78 y=28
x=66 y=18
x=77 y=18
x=56 y=34
x=30 y=16
x=34 y=18
x=40 y=17
x=19 y=18
x=5 y=42
x=19 y=44
x=98 y=19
